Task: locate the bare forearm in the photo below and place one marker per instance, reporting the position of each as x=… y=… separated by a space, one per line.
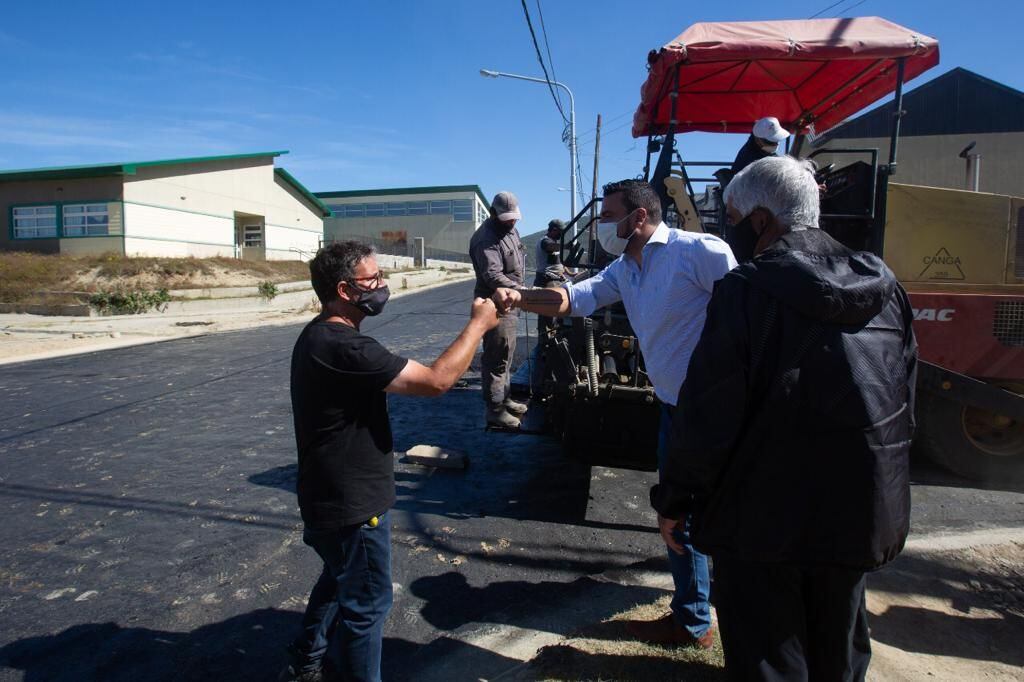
x=549 y=302
x=454 y=361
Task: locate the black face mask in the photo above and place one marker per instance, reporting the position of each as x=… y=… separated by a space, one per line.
x=371 y=301
x=742 y=239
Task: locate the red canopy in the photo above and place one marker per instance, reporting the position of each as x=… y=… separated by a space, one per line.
x=812 y=72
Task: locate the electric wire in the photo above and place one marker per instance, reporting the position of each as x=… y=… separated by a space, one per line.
x=543 y=67
x=547 y=47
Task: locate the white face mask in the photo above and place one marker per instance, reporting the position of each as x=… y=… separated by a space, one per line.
x=770 y=147
x=608 y=236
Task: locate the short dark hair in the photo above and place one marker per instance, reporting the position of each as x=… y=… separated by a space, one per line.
x=335 y=263
x=637 y=194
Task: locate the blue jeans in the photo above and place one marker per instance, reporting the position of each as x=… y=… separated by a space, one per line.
x=690 y=605
x=350 y=600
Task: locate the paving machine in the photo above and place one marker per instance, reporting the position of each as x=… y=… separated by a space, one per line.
x=956 y=252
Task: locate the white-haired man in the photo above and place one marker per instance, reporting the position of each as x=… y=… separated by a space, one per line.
x=791 y=436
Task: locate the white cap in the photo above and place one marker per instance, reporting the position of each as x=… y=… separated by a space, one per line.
x=768 y=128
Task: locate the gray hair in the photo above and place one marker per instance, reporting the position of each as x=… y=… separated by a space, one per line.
x=781 y=184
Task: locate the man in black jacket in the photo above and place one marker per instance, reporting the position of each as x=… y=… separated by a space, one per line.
x=763 y=142
x=791 y=436
x=499 y=260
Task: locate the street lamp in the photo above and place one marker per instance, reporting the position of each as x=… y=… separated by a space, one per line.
x=487 y=73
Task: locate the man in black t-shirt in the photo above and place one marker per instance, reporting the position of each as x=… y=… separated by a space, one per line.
x=339 y=378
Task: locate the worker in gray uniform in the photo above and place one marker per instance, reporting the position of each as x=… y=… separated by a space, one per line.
x=499 y=261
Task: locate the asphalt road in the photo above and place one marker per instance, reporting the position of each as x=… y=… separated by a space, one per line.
x=150 y=529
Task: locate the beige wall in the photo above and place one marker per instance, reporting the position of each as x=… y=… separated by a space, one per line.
x=45 y=191
x=155 y=231
x=92 y=246
x=213 y=192
x=933 y=161
x=438 y=231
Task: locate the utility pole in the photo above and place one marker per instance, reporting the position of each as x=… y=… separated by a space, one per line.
x=593 y=193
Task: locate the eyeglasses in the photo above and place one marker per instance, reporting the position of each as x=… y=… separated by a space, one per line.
x=374 y=280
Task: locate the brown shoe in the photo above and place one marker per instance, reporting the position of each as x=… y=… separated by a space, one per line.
x=667 y=632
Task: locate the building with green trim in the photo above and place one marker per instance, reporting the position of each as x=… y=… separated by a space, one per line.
x=235 y=206
x=444 y=216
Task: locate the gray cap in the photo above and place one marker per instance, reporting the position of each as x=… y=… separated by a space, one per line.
x=506 y=206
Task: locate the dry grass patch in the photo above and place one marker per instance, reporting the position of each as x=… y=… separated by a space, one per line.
x=606 y=652
x=44 y=278
x=25 y=276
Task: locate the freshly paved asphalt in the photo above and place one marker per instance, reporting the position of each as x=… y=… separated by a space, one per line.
x=150 y=529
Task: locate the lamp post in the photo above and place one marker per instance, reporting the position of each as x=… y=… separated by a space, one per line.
x=487 y=73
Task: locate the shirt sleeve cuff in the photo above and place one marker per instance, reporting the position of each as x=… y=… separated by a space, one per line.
x=670 y=503
x=581 y=303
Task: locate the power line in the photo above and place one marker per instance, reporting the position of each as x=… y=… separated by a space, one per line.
x=589 y=131
x=856 y=4
x=608 y=132
x=540 y=58
x=551 y=62
x=819 y=13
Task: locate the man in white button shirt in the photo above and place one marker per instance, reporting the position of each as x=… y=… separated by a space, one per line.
x=664 y=278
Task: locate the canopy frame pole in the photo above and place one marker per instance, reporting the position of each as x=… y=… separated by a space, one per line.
x=808 y=116
x=897 y=116
x=663 y=167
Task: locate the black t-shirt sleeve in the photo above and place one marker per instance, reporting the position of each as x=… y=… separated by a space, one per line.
x=362 y=364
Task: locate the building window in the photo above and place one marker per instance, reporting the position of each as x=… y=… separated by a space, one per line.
x=355 y=210
x=462 y=210
x=253 y=236
x=418 y=208
x=86 y=220
x=396 y=209
x=440 y=208
x=374 y=210
x=35 y=222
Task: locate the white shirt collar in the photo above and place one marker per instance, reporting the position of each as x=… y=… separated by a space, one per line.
x=659 y=236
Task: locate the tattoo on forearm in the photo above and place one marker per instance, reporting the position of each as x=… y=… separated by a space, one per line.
x=541 y=297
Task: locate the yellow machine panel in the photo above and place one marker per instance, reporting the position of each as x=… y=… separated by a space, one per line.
x=948 y=236
x=684 y=206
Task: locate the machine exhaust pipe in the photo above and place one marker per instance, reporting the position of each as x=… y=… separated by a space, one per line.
x=972 y=179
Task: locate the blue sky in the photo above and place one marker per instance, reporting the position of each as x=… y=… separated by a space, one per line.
x=369 y=95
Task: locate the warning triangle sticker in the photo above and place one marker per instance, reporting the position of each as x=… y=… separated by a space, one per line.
x=942 y=265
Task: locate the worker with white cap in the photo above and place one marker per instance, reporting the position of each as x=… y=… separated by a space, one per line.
x=763 y=142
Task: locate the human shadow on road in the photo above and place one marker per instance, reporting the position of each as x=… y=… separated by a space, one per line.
x=451 y=602
x=934 y=606
x=249 y=646
x=566 y=662
x=442 y=660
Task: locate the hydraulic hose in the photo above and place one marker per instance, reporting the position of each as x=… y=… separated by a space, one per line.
x=588 y=328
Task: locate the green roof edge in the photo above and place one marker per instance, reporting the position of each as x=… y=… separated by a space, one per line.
x=436 y=189
x=290 y=179
x=130 y=168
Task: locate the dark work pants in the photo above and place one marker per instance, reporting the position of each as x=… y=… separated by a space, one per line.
x=350 y=600
x=499 y=347
x=546 y=330
x=790 y=623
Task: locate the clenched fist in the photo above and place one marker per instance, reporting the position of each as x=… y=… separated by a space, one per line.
x=506 y=299
x=483 y=312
